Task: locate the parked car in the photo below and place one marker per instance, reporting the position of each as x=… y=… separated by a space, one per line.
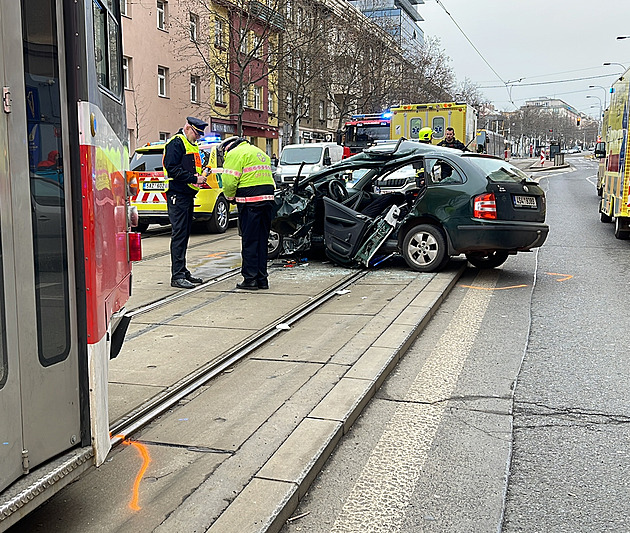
x=574 y=150
x=212 y=211
x=459 y=203
x=315 y=156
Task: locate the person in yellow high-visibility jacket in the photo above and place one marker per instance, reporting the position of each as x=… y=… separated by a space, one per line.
x=247 y=180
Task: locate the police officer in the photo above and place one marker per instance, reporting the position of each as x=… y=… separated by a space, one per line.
x=247 y=180
x=183 y=173
x=451 y=142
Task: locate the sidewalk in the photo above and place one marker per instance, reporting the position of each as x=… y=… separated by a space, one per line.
x=533 y=164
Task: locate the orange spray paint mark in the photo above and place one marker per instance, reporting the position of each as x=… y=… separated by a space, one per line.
x=564 y=277
x=216 y=254
x=133 y=504
x=493 y=288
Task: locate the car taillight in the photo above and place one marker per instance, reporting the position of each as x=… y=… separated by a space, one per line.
x=485 y=206
x=135 y=247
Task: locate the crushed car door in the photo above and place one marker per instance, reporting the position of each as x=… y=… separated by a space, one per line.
x=344 y=230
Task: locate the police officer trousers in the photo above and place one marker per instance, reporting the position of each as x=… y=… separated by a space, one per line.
x=255 y=221
x=180 y=214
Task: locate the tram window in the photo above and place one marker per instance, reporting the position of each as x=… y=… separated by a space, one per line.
x=47 y=183
x=107 y=46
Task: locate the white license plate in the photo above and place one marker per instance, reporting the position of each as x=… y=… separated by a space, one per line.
x=525 y=201
x=154 y=186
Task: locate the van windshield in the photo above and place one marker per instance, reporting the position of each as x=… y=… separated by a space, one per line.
x=294 y=156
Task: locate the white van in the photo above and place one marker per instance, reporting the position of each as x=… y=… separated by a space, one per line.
x=315 y=156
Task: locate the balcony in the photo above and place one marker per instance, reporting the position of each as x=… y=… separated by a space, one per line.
x=260 y=10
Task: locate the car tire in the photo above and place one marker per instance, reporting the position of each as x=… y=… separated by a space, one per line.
x=604 y=217
x=621 y=231
x=142 y=227
x=274 y=245
x=487 y=260
x=600 y=191
x=220 y=216
x=424 y=248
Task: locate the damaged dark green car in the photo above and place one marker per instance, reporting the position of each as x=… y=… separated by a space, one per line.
x=423 y=202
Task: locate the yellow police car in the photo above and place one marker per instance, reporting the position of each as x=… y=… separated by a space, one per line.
x=212 y=211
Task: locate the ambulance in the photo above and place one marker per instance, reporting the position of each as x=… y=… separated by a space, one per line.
x=408 y=120
x=616 y=175
x=212 y=211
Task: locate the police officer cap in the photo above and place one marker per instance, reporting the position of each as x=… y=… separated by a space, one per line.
x=198 y=125
x=231 y=142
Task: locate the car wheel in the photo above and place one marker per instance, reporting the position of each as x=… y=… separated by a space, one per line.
x=142 y=227
x=220 y=216
x=424 y=248
x=600 y=191
x=604 y=217
x=621 y=229
x=274 y=245
x=487 y=260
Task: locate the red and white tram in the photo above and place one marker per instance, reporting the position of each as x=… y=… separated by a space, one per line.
x=66 y=241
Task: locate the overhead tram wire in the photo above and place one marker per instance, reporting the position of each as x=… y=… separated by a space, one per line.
x=505 y=83
x=551 y=82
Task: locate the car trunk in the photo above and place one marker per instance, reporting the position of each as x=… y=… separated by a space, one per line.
x=519 y=201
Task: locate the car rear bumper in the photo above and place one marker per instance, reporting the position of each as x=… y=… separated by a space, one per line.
x=488 y=236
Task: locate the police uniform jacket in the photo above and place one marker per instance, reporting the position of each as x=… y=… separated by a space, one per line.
x=181 y=163
x=246 y=175
x=459 y=145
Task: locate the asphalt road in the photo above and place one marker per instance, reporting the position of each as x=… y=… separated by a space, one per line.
x=508 y=412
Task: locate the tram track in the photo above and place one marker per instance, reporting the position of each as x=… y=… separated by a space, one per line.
x=125 y=426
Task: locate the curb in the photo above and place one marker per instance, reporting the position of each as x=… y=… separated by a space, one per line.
x=538 y=169
x=273 y=494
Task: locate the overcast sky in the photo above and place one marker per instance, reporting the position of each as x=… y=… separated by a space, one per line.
x=536 y=40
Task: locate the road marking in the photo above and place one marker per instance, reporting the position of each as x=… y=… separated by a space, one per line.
x=563 y=276
x=379 y=499
x=493 y=288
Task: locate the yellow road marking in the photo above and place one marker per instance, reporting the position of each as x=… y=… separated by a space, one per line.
x=564 y=276
x=492 y=288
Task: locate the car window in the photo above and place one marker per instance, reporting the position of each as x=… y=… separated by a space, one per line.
x=441 y=172
x=498 y=171
x=146 y=162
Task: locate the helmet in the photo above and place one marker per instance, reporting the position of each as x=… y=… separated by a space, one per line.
x=227 y=144
x=425 y=135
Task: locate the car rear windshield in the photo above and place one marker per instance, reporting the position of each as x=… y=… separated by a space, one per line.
x=146 y=162
x=498 y=171
x=294 y=156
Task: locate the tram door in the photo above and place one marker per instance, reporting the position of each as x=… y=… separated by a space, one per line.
x=39 y=378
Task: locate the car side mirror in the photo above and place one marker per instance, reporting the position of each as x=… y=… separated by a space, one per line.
x=600 y=150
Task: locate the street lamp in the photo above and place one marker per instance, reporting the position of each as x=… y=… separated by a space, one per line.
x=608 y=63
x=620 y=37
x=600 y=106
x=600 y=87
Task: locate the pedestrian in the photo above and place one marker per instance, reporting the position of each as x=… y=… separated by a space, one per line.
x=184 y=175
x=451 y=142
x=247 y=181
x=274 y=160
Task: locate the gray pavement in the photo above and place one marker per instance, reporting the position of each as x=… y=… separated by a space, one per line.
x=238 y=454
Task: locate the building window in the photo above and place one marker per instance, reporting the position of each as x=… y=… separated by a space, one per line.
x=164 y=136
x=123 y=8
x=269 y=102
x=162 y=81
x=258 y=96
x=161 y=15
x=256 y=46
x=289 y=103
x=218 y=33
x=307 y=107
x=321 y=110
x=126 y=68
x=245 y=96
x=194 y=89
x=218 y=90
x=244 y=36
x=194 y=27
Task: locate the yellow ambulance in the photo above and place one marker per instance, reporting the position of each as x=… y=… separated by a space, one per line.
x=616 y=172
x=408 y=120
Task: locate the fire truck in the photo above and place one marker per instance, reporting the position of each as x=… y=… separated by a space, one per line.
x=364 y=130
x=408 y=120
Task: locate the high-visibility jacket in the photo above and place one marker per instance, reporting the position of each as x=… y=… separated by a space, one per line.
x=246 y=175
x=182 y=163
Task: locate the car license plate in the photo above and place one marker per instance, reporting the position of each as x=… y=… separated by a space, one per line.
x=525 y=201
x=154 y=186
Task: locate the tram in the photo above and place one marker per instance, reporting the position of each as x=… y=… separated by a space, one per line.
x=66 y=241
x=489 y=142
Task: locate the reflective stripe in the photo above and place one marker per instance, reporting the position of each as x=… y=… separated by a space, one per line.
x=231 y=172
x=247 y=199
x=257 y=167
x=215 y=170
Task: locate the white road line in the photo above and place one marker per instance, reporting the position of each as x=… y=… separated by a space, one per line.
x=379 y=499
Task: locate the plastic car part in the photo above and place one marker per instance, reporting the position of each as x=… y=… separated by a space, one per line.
x=424 y=248
x=487 y=260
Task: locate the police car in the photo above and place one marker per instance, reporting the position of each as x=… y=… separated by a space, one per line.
x=212 y=211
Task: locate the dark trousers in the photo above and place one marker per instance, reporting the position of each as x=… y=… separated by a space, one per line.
x=180 y=214
x=255 y=223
